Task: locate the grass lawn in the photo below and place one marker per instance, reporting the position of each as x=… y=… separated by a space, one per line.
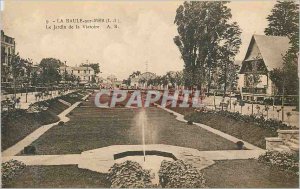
x=247 y=131
x=67 y=176
x=91 y=127
x=19 y=124
x=247 y=174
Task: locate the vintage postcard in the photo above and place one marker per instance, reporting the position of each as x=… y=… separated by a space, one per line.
x=149 y=94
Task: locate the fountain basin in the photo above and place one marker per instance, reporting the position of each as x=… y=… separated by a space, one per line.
x=147 y=153
x=101 y=159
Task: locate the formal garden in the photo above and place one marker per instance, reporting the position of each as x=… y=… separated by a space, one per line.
x=91 y=127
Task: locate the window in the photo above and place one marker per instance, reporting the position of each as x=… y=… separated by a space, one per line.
x=78 y=71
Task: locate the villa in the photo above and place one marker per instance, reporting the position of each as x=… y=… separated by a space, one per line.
x=264 y=54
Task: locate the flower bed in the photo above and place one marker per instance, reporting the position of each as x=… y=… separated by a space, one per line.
x=10 y=170
x=258 y=121
x=129 y=174
x=178 y=174
x=283 y=161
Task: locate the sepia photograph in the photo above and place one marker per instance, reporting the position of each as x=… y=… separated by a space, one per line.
x=149 y=94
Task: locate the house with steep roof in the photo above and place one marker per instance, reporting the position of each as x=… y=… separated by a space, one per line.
x=264 y=54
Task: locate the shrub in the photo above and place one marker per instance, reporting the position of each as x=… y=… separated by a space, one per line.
x=29 y=150
x=190 y=122
x=129 y=174
x=178 y=174
x=10 y=170
x=61 y=123
x=283 y=161
x=240 y=145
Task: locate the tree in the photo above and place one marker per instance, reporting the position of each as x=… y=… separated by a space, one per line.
x=227 y=51
x=205 y=31
x=34 y=79
x=126 y=82
x=70 y=77
x=17 y=64
x=135 y=74
x=187 y=42
x=179 y=78
x=50 y=72
x=284 y=20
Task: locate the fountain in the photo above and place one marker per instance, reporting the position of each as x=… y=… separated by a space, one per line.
x=148 y=154
x=148 y=159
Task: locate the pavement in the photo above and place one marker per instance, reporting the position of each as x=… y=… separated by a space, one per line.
x=101 y=159
x=31 y=97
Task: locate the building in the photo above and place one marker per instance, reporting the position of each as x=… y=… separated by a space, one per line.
x=112 y=81
x=264 y=54
x=141 y=80
x=83 y=73
x=8 y=47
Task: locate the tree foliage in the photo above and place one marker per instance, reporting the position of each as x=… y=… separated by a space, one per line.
x=284 y=21
x=206 y=38
x=50 y=72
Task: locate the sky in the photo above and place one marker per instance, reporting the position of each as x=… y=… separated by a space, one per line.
x=143 y=40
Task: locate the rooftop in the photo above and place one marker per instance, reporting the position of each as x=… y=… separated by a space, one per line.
x=271 y=48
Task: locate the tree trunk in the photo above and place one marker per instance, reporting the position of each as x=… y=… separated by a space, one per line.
x=15 y=95
x=225 y=81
